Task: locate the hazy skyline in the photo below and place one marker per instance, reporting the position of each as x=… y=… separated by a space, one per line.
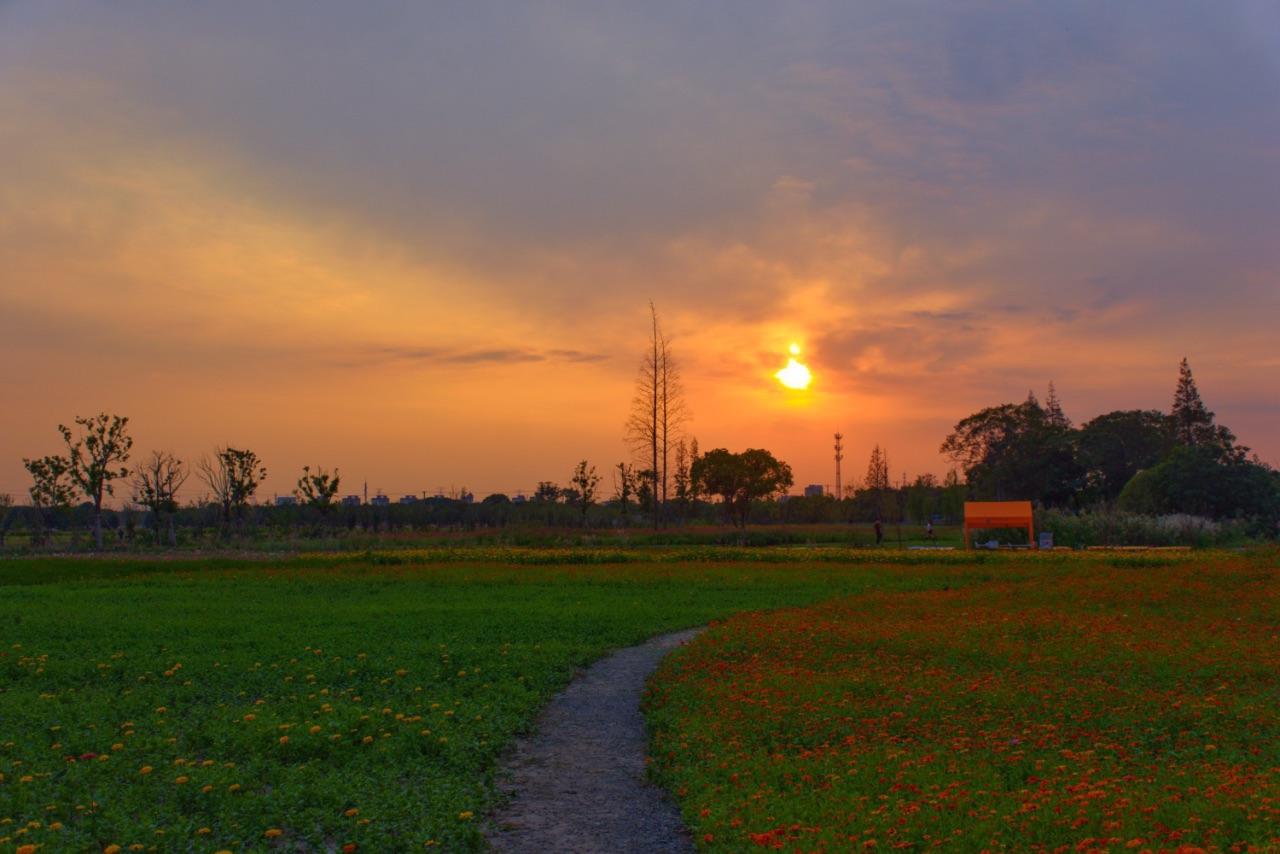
x=417 y=242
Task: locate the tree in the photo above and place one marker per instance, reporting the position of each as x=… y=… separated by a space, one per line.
x=878 y=469
x=682 y=481
x=695 y=487
x=1199 y=481
x=657 y=413
x=624 y=486
x=1053 y=413
x=156 y=482
x=740 y=479
x=6 y=503
x=233 y=475
x=583 y=486
x=317 y=490
x=51 y=488
x=103 y=443
x=1116 y=446
x=547 y=491
x=1016 y=451
x=1192 y=423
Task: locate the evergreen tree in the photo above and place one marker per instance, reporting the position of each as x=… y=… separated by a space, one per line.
x=878 y=469
x=1190 y=419
x=1192 y=422
x=1054 y=415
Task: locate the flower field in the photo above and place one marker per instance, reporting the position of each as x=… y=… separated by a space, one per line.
x=1063 y=702
x=327 y=703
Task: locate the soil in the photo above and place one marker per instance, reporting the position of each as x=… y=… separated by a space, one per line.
x=577 y=783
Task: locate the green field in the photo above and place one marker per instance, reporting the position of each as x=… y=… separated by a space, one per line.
x=321 y=702
x=325 y=701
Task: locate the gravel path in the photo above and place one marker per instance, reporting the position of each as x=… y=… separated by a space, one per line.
x=578 y=782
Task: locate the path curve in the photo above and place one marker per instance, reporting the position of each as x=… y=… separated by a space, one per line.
x=577 y=784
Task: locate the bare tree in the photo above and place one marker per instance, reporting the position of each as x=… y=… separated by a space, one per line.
x=233 y=476
x=156 y=482
x=657 y=413
x=103 y=442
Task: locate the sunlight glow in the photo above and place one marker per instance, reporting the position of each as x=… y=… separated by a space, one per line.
x=795 y=375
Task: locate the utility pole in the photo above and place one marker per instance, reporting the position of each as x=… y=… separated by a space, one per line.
x=839 y=457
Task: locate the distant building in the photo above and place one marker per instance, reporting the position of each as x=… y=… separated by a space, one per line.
x=409 y=499
x=814 y=489
x=380 y=500
x=519 y=499
x=285 y=500
x=350 y=501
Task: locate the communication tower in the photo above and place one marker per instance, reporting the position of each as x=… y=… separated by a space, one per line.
x=839 y=457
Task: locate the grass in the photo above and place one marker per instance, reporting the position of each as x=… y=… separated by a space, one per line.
x=328 y=701
x=843 y=696
x=1068 y=702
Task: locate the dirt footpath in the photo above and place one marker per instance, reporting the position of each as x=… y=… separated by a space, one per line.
x=578 y=782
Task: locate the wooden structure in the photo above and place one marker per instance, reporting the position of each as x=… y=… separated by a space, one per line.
x=999 y=514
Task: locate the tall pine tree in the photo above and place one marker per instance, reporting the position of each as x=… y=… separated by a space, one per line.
x=1192 y=423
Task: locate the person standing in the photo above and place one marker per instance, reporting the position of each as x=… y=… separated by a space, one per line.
x=879 y=526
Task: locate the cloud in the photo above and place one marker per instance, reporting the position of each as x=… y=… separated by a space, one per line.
x=443 y=356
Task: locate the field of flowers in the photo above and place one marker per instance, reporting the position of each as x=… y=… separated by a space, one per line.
x=1099 y=702
x=329 y=703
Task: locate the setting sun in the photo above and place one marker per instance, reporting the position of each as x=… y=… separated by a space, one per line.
x=795 y=375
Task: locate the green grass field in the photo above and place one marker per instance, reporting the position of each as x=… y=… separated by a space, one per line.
x=321 y=702
x=324 y=701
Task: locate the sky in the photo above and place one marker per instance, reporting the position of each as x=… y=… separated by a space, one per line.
x=418 y=242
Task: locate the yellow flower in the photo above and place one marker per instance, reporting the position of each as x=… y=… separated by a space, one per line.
x=111 y=849
x=146 y=769
x=284 y=739
x=234 y=787
x=180 y=780
x=465 y=816
x=204 y=831
x=367 y=739
x=314 y=730
x=273 y=833
x=351 y=813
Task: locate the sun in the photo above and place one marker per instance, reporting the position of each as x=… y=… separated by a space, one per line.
x=795 y=375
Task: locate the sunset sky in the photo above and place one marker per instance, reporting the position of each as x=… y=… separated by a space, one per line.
x=418 y=241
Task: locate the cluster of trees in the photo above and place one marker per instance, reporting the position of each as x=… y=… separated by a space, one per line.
x=1141 y=461
x=95 y=460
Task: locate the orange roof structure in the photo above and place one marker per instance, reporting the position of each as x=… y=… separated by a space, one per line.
x=998 y=514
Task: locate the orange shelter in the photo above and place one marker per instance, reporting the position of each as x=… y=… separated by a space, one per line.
x=998 y=514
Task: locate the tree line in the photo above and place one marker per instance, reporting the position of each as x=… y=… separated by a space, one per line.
x=1141 y=461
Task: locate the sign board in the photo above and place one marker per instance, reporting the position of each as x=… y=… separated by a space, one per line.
x=1046 y=540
